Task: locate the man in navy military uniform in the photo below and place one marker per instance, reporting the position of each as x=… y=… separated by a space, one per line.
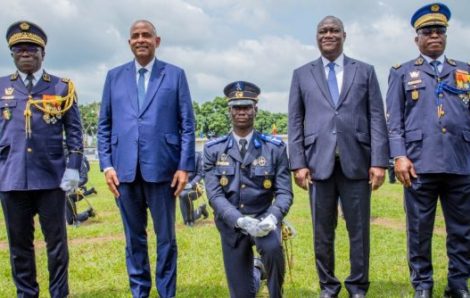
x=429 y=132
x=36 y=109
x=248 y=185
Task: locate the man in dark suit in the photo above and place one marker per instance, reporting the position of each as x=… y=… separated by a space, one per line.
x=37 y=108
x=249 y=187
x=338 y=148
x=146 y=148
x=429 y=125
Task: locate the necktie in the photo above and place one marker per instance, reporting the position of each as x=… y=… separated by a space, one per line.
x=29 y=82
x=141 y=87
x=435 y=66
x=333 y=83
x=242 y=143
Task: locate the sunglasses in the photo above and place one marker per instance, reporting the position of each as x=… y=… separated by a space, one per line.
x=427 y=31
x=29 y=49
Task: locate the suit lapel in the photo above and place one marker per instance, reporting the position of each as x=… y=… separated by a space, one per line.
x=132 y=85
x=318 y=72
x=18 y=85
x=41 y=85
x=447 y=68
x=349 y=72
x=156 y=77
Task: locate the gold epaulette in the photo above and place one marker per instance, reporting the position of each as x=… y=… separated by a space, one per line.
x=65 y=80
x=46 y=77
x=396 y=66
x=14 y=76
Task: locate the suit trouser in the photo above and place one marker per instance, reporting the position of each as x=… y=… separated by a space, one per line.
x=239 y=269
x=420 y=205
x=19 y=209
x=133 y=202
x=355 y=202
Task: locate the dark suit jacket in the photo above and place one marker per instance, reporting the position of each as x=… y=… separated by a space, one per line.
x=356 y=126
x=159 y=137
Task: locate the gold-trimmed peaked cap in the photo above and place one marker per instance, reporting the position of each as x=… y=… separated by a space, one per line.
x=241 y=93
x=25 y=32
x=435 y=14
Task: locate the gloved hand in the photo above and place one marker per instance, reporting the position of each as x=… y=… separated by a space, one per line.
x=268 y=224
x=249 y=224
x=70 y=180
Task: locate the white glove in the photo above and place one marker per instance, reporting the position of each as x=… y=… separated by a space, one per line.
x=70 y=180
x=268 y=224
x=249 y=224
x=188 y=186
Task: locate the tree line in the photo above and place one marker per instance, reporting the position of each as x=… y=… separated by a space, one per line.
x=212 y=119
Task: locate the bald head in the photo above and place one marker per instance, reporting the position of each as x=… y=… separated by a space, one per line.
x=331 y=19
x=145 y=22
x=330 y=37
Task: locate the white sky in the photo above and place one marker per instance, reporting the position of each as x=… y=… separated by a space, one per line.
x=220 y=41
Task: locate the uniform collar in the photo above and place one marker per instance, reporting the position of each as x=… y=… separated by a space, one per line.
x=37 y=75
x=247 y=138
x=429 y=59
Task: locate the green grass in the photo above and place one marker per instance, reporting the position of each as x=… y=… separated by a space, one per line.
x=97 y=263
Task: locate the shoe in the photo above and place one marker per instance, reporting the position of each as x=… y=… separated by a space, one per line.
x=259 y=264
x=357 y=295
x=203 y=211
x=91 y=212
x=93 y=190
x=423 y=294
x=454 y=293
x=325 y=294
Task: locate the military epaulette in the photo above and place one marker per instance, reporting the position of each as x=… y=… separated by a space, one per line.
x=65 y=80
x=46 y=77
x=14 y=76
x=216 y=141
x=396 y=66
x=451 y=61
x=271 y=139
x=419 y=61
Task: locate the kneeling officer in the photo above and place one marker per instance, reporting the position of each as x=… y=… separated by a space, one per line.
x=249 y=187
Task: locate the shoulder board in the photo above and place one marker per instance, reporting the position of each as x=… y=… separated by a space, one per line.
x=65 y=80
x=216 y=141
x=396 y=66
x=271 y=139
x=419 y=61
x=14 y=76
x=451 y=61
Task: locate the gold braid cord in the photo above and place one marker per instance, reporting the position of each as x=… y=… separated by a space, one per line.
x=53 y=106
x=288 y=232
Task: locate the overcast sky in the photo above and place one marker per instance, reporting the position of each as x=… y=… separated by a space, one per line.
x=220 y=41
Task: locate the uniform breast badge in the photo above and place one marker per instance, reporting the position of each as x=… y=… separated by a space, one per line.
x=6 y=114
x=52 y=108
x=223 y=160
x=261 y=161
x=267 y=183
x=415 y=94
x=223 y=180
x=462 y=82
x=414 y=81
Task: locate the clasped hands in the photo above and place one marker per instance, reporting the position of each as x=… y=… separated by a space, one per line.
x=257 y=228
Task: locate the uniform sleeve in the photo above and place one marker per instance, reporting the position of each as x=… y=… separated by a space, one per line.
x=215 y=194
x=395 y=110
x=73 y=136
x=296 y=111
x=378 y=126
x=282 y=187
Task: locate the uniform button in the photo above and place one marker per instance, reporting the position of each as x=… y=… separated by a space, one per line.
x=29 y=150
x=241 y=205
x=336 y=113
x=441 y=95
x=444 y=130
x=333 y=132
x=242 y=166
x=243 y=185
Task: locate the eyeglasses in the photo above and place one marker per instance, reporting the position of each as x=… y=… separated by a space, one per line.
x=30 y=49
x=427 y=31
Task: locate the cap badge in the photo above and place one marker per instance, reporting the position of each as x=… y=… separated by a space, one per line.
x=24 y=26
x=435 y=8
x=238 y=94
